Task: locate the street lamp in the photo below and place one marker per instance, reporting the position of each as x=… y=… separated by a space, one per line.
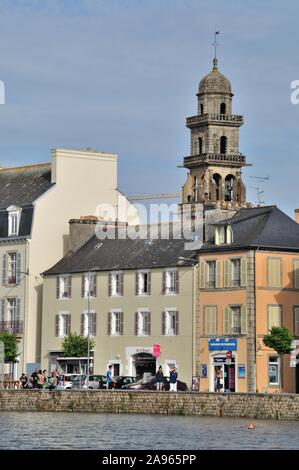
x=88 y=327
x=195 y=264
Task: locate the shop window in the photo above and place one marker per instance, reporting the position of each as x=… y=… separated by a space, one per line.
x=273 y=370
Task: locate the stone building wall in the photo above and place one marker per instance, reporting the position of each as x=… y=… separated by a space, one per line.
x=266 y=406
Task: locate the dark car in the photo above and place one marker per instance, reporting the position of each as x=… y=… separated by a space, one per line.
x=181 y=386
x=150 y=384
x=143 y=384
x=123 y=380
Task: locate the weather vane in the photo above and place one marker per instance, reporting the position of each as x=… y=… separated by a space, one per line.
x=215 y=43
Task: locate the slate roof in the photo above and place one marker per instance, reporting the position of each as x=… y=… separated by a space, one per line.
x=126 y=254
x=264 y=227
x=20 y=187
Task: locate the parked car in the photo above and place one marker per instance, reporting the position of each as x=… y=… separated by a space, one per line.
x=123 y=380
x=66 y=381
x=181 y=386
x=143 y=384
x=150 y=384
x=95 y=382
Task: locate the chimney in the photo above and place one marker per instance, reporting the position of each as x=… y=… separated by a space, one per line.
x=297 y=216
x=83 y=229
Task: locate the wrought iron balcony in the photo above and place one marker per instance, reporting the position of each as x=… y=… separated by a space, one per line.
x=14 y=326
x=230 y=119
x=215 y=158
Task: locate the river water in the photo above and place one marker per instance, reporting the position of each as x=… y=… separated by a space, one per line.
x=108 y=431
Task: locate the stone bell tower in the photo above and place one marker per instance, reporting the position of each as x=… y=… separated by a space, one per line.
x=215 y=162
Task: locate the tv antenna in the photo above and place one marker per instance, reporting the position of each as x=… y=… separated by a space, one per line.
x=259 y=191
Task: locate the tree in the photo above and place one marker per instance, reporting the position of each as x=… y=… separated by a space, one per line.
x=279 y=339
x=10 y=346
x=75 y=345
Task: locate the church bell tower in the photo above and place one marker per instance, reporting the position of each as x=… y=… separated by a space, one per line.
x=215 y=162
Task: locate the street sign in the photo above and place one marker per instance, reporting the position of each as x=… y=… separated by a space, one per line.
x=293 y=354
x=223 y=344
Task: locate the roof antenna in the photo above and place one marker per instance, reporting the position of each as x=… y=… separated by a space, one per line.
x=260 y=179
x=215 y=44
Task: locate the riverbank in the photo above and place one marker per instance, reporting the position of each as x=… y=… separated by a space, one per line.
x=249 y=405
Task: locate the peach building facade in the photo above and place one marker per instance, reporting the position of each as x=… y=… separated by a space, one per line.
x=243 y=290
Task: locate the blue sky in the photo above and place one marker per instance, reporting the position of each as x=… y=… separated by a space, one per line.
x=121 y=76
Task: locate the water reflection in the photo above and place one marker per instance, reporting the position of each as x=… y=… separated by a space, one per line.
x=106 y=431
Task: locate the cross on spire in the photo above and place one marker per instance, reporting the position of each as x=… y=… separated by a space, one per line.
x=215 y=44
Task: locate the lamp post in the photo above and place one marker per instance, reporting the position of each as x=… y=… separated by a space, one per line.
x=88 y=328
x=195 y=265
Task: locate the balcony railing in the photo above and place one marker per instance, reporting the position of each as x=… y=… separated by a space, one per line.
x=227 y=118
x=230 y=159
x=15 y=327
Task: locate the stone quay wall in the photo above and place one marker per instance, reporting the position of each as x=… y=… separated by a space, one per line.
x=249 y=405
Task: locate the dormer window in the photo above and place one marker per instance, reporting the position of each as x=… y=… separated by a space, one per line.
x=223 y=235
x=14 y=216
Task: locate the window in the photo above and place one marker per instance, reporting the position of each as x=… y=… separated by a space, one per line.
x=116 y=284
x=274 y=272
x=296 y=321
x=143 y=283
x=296 y=273
x=13 y=309
x=170 y=322
x=201 y=109
x=210 y=320
x=11 y=268
x=274 y=316
x=89 y=285
x=10 y=315
x=273 y=370
x=223 y=144
x=223 y=108
x=88 y=324
x=13 y=222
x=235 y=320
x=200 y=145
x=236 y=272
x=211 y=274
x=64 y=287
x=170 y=282
x=142 y=323
x=115 y=323
x=62 y=325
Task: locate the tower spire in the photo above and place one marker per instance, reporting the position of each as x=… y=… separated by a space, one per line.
x=215 y=44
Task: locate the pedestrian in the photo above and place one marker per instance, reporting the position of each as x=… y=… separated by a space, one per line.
x=34 y=378
x=218 y=379
x=159 y=379
x=173 y=380
x=109 y=378
x=45 y=378
x=40 y=379
x=23 y=381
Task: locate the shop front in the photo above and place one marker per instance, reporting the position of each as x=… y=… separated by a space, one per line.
x=223 y=363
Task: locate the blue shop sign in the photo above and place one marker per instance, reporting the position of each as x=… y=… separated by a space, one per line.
x=223 y=344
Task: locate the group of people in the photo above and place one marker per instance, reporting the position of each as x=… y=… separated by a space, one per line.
x=160 y=380
x=39 y=380
x=173 y=379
